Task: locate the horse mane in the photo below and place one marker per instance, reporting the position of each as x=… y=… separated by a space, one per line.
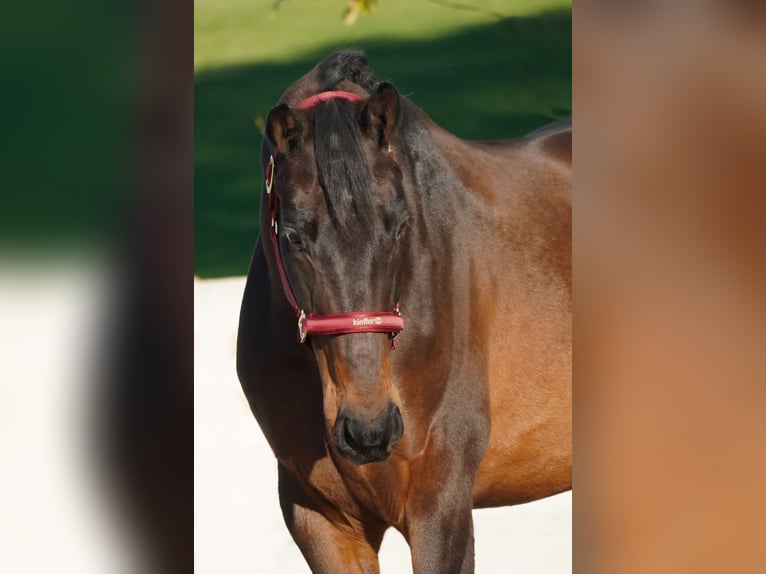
x=343 y=70
x=342 y=167
x=344 y=173
x=346 y=65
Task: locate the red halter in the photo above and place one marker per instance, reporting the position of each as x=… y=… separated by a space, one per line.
x=339 y=323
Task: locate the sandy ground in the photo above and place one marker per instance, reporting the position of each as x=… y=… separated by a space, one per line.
x=238 y=524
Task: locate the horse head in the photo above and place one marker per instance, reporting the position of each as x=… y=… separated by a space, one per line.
x=338 y=235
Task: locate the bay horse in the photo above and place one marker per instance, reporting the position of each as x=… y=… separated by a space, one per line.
x=379 y=229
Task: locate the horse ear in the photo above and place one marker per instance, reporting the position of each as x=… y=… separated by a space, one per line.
x=283 y=129
x=381 y=113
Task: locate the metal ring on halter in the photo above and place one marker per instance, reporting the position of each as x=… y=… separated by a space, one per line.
x=301 y=332
x=270 y=176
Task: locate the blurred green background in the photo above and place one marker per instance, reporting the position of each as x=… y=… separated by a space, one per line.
x=480 y=68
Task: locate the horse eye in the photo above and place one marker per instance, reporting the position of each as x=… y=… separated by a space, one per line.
x=293 y=237
x=402 y=226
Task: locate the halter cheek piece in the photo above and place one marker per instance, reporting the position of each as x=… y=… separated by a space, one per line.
x=339 y=323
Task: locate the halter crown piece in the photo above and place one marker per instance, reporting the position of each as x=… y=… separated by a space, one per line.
x=390 y=322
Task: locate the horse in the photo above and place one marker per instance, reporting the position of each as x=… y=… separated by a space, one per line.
x=405 y=331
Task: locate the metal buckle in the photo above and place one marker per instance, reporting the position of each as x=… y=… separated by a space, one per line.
x=301 y=333
x=394 y=334
x=270 y=175
x=392 y=337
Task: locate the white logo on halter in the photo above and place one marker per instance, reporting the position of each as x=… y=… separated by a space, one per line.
x=366 y=321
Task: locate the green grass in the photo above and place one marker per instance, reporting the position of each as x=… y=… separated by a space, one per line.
x=478 y=75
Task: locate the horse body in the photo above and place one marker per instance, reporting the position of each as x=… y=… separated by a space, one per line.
x=519 y=318
x=482 y=374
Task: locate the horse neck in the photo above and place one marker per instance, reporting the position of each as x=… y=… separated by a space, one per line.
x=448 y=173
x=441 y=208
x=441 y=264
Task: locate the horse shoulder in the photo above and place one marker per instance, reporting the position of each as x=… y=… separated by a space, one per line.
x=529 y=451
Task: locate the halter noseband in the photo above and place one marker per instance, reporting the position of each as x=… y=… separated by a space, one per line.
x=339 y=323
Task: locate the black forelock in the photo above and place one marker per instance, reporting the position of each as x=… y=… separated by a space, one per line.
x=348 y=65
x=344 y=173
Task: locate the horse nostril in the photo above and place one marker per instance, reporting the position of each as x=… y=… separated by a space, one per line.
x=348 y=437
x=366 y=440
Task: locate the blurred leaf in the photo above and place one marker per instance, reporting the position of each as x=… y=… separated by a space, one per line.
x=356 y=7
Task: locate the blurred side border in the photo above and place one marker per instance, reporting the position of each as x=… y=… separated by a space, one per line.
x=97 y=171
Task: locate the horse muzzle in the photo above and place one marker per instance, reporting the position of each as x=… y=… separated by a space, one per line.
x=363 y=441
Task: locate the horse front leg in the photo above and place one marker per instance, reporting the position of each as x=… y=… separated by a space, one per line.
x=440 y=530
x=439 y=507
x=329 y=547
x=440 y=503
